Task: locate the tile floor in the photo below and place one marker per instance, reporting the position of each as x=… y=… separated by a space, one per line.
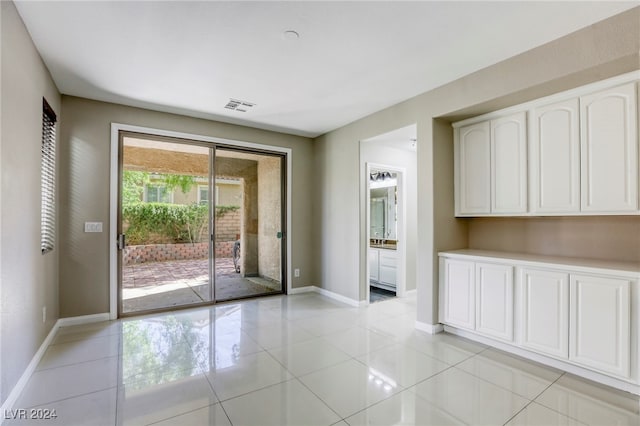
x=301 y=360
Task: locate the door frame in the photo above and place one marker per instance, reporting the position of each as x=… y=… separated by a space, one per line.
x=116 y=128
x=401 y=248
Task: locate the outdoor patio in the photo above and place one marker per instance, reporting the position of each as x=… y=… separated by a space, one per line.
x=155 y=285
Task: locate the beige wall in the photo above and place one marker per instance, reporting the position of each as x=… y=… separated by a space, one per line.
x=606 y=49
x=596 y=237
x=29 y=280
x=84 y=186
x=269 y=217
x=229 y=194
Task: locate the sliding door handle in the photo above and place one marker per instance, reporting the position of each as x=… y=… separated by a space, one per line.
x=121 y=242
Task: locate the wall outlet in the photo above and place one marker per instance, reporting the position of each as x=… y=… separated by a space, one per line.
x=44 y=314
x=93 y=227
x=296 y=273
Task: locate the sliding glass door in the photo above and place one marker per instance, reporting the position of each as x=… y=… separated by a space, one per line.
x=165 y=224
x=198 y=223
x=249 y=222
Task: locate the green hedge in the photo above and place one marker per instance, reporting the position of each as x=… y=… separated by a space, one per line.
x=177 y=223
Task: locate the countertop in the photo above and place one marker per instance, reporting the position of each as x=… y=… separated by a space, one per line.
x=532 y=259
x=383 y=246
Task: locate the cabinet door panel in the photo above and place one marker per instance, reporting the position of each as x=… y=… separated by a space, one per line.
x=600 y=323
x=473 y=169
x=373 y=264
x=494 y=300
x=545 y=311
x=459 y=293
x=509 y=164
x=554 y=162
x=388 y=267
x=388 y=275
x=609 y=150
x=388 y=258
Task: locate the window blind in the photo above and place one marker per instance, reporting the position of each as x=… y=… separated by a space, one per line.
x=48 y=179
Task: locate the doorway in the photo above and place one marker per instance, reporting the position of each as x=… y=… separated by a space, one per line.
x=390 y=157
x=198 y=223
x=384 y=229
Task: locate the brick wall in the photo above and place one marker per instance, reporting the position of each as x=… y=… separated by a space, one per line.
x=227 y=232
x=163 y=252
x=228 y=226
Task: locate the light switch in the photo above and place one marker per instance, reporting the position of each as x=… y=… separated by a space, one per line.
x=93 y=227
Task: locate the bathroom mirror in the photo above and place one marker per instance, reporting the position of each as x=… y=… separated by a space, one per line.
x=383 y=205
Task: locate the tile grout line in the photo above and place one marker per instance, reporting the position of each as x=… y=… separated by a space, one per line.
x=71 y=397
x=404 y=388
x=76 y=363
x=119 y=370
x=321 y=400
x=533 y=400
x=309 y=372
x=553 y=409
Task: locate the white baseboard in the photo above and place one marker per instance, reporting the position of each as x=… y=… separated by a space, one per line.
x=339 y=297
x=300 y=290
x=327 y=293
x=551 y=362
x=411 y=293
x=83 y=319
x=26 y=375
x=429 y=328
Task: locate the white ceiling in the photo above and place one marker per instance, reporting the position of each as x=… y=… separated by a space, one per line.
x=352 y=58
x=403 y=138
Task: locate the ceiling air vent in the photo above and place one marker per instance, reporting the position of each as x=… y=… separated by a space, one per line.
x=238 y=105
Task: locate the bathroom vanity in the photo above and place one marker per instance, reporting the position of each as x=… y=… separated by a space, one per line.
x=383 y=266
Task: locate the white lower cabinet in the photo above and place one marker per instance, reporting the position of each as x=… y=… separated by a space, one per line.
x=458 y=307
x=494 y=300
x=373 y=264
x=583 y=317
x=478 y=297
x=600 y=334
x=545 y=311
x=383 y=268
x=388 y=261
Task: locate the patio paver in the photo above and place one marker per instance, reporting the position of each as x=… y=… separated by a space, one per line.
x=155 y=285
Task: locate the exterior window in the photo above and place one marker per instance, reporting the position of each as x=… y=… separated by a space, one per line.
x=157 y=194
x=203 y=194
x=48 y=179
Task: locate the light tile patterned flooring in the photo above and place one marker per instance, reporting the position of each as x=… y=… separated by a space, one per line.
x=301 y=360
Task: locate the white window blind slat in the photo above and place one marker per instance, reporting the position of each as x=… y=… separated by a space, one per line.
x=48 y=179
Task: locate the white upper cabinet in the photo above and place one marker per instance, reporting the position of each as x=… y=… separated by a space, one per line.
x=491 y=167
x=573 y=153
x=609 y=150
x=509 y=164
x=554 y=158
x=473 y=156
